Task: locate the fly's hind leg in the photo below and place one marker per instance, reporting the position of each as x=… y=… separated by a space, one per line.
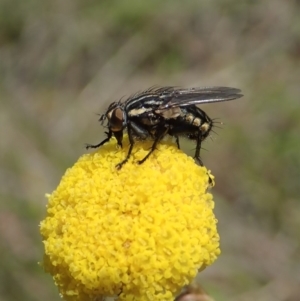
x=177 y=141
x=198 y=148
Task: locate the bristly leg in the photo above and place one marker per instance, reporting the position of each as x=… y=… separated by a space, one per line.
x=158 y=138
x=131 y=143
x=177 y=141
x=198 y=148
x=109 y=135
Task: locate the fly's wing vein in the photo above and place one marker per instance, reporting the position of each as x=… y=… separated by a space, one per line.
x=194 y=96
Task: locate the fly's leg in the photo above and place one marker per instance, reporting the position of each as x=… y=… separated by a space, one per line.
x=161 y=133
x=198 y=160
x=109 y=135
x=177 y=141
x=198 y=148
x=133 y=129
x=131 y=143
x=176 y=131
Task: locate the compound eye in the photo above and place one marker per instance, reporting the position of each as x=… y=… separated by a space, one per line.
x=116 y=119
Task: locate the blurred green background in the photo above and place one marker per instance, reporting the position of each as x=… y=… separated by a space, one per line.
x=62 y=62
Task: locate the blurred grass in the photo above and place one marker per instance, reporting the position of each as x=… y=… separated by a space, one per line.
x=62 y=62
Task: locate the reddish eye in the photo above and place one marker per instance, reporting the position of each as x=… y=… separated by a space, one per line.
x=116 y=120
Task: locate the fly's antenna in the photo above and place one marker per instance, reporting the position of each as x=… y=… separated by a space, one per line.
x=102 y=118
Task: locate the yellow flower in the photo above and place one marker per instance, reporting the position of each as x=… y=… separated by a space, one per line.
x=139 y=233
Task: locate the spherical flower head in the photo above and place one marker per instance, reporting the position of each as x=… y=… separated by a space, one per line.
x=139 y=233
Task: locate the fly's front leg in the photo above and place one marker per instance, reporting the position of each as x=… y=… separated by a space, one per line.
x=119 y=136
x=131 y=143
x=109 y=135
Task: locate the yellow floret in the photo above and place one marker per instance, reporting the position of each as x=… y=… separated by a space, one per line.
x=139 y=233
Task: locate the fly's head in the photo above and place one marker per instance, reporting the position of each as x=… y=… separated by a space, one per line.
x=116 y=120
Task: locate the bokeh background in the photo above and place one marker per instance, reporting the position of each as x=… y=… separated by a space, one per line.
x=62 y=62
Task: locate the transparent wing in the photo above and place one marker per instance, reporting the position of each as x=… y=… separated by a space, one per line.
x=194 y=96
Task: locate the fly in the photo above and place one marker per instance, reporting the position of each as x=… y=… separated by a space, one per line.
x=158 y=112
